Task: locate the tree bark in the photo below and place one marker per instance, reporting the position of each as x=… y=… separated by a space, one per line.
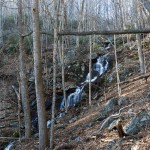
x=54 y=74
x=112 y=32
x=43 y=141
x=140 y=53
x=62 y=57
x=117 y=72
x=23 y=79
x=1 y=28
x=90 y=66
x=79 y=24
x=138 y=38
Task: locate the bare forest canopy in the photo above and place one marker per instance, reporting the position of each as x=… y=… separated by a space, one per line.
x=104 y=32
x=78 y=15
x=55 y=53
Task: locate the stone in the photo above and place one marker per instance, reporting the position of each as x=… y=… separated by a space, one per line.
x=36 y=135
x=111 y=145
x=61 y=126
x=78 y=139
x=113 y=125
x=13 y=124
x=73 y=120
x=123 y=101
x=138 y=122
x=148 y=96
x=108 y=108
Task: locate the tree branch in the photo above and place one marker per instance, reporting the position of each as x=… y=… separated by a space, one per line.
x=42 y=32
x=134 y=31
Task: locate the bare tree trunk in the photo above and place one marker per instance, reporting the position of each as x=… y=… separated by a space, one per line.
x=23 y=79
x=63 y=75
x=43 y=141
x=116 y=32
x=62 y=57
x=54 y=73
x=1 y=29
x=117 y=72
x=138 y=38
x=140 y=53
x=90 y=66
x=80 y=20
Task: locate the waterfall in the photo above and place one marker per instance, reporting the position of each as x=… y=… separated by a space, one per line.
x=10 y=146
x=75 y=97
x=97 y=69
x=101 y=65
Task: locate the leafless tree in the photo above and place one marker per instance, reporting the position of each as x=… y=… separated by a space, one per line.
x=23 y=79
x=54 y=71
x=43 y=135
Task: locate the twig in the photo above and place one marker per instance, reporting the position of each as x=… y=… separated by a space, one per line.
x=124 y=108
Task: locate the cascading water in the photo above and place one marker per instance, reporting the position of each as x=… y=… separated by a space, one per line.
x=97 y=69
x=9 y=147
x=75 y=97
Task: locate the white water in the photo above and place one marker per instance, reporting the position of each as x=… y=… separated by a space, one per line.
x=73 y=98
x=100 y=67
x=9 y=147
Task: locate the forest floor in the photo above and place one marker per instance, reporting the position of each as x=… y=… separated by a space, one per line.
x=80 y=129
x=83 y=132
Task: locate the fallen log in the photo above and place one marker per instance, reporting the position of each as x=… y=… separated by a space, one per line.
x=62 y=33
x=145 y=76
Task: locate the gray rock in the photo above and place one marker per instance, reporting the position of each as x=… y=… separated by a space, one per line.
x=93 y=55
x=123 y=101
x=148 y=96
x=36 y=135
x=13 y=124
x=78 y=139
x=73 y=120
x=110 y=122
x=61 y=126
x=111 y=145
x=109 y=107
x=111 y=77
x=139 y=121
x=113 y=125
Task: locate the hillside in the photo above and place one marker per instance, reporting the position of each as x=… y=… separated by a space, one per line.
x=85 y=127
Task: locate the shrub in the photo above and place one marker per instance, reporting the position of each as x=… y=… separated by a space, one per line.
x=9 y=23
x=13 y=44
